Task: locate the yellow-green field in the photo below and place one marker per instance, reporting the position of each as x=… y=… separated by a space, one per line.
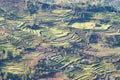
x=90 y=25
x=61 y=11
x=35 y=32
x=9 y=47
x=58 y=39
x=103 y=27
x=15 y=68
x=58 y=32
x=85 y=25
x=1 y=19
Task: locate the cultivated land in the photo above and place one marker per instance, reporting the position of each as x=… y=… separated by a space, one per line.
x=46 y=41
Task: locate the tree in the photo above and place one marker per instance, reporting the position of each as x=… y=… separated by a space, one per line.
x=9 y=54
x=32 y=8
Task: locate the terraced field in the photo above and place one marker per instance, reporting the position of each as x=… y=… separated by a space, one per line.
x=79 y=40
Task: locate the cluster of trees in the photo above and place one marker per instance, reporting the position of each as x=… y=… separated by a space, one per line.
x=44 y=69
x=113 y=41
x=6 y=54
x=7 y=76
x=34 y=27
x=32 y=8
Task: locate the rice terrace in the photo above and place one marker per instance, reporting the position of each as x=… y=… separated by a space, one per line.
x=59 y=39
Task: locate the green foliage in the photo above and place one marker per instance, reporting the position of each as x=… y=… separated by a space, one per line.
x=32 y=8
x=42 y=43
x=10 y=54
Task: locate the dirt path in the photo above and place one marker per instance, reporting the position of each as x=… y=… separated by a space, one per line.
x=57 y=76
x=109 y=34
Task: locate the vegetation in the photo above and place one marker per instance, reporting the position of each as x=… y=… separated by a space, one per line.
x=59 y=40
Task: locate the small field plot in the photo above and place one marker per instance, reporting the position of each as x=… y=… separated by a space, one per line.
x=9 y=48
x=58 y=32
x=13 y=23
x=107 y=15
x=54 y=33
x=1 y=19
x=48 y=35
x=60 y=11
x=25 y=37
x=14 y=68
x=85 y=25
x=91 y=25
x=102 y=27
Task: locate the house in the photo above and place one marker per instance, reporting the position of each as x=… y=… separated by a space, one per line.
x=63 y=20
x=118 y=30
x=42 y=61
x=48 y=57
x=70 y=66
